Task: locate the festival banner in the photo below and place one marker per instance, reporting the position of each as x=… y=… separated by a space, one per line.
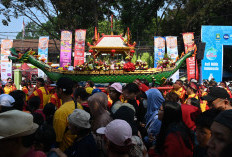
x=79 y=47
x=188 y=41
x=172 y=51
x=43 y=52
x=159 y=49
x=192 y=70
x=65 y=48
x=6 y=64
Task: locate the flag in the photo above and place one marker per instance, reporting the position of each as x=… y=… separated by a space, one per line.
x=23 y=33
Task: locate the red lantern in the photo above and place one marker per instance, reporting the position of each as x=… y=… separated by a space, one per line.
x=91 y=51
x=132 y=51
x=113 y=51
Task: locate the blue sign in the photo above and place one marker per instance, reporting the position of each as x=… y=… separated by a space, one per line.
x=214 y=37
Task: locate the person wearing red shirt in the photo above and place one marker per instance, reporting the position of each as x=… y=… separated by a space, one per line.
x=174 y=139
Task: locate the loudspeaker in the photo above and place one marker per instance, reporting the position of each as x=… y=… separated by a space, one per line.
x=200 y=50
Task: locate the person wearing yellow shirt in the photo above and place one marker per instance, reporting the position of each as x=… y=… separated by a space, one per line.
x=41 y=92
x=179 y=90
x=64 y=90
x=10 y=87
x=192 y=91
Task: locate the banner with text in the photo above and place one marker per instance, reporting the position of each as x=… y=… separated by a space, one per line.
x=215 y=37
x=188 y=41
x=192 y=70
x=172 y=51
x=79 y=56
x=159 y=49
x=6 y=64
x=43 y=52
x=65 y=48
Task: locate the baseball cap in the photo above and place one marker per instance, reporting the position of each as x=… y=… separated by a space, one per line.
x=225 y=118
x=6 y=100
x=117 y=86
x=118 y=132
x=216 y=92
x=79 y=118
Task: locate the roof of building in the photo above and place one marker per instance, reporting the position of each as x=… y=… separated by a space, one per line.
x=111 y=41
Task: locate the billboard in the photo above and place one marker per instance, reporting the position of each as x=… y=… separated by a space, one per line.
x=65 y=48
x=43 y=52
x=79 y=47
x=214 y=37
x=159 y=49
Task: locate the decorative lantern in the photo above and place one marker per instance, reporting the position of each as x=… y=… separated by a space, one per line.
x=132 y=51
x=91 y=51
x=113 y=51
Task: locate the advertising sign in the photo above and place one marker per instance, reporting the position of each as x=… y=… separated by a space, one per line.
x=159 y=49
x=214 y=37
x=6 y=64
x=79 y=47
x=43 y=52
x=188 y=41
x=172 y=51
x=65 y=48
x=192 y=71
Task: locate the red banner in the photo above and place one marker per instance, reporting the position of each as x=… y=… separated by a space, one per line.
x=188 y=41
x=79 y=54
x=192 y=70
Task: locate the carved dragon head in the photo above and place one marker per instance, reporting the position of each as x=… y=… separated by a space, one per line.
x=17 y=56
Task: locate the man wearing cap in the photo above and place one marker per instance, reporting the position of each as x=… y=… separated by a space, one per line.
x=115 y=91
x=192 y=91
x=16 y=135
x=221 y=134
x=84 y=145
x=6 y=102
x=64 y=89
x=179 y=90
x=218 y=98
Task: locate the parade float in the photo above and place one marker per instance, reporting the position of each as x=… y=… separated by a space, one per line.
x=99 y=71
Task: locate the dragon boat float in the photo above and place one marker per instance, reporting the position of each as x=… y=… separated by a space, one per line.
x=100 y=72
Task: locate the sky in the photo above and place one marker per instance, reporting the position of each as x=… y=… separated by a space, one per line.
x=15 y=26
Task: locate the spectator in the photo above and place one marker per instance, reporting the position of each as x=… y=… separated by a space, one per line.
x=174 y=139
x=221 y=134
x=153 y=124
x=49 y=111
x=20 y=99
x=10 y=86
x=84 y=145
x=98 y=109
x=89 y=87
x=41 y=91
x=6 y=102
x=64 y=89
x=179 y=89
x=191 y=91
x=218 y=98
x=203 y=133
x=81 y=97
x=33 y=106
x=115 y=91
x=173 y=97
x=17 y=137
x=118 y=134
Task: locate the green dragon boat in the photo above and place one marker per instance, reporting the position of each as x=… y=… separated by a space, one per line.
x=159 y=75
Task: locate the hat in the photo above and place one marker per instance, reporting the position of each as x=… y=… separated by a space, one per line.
x=65 y=83
x=6 y=100
x=225 y=118
x=118 y=132
x=117 y=87
x=16 y=123
x=89 y=90
x=193 y=85
x=79 y=118
x=216 y=92
x=96 y=90
x=194 y=80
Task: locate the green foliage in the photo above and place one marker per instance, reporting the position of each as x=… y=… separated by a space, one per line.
x=147 y=57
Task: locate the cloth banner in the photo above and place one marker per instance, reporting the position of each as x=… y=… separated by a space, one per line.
x=188 y=41
x=191 y=61
x=172 y=51
x=79 y=47
x=65 y=48
x=43 y=52
x=6 y=64
x=159 y=48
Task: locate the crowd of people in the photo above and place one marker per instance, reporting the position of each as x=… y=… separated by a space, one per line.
x=187 y=119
